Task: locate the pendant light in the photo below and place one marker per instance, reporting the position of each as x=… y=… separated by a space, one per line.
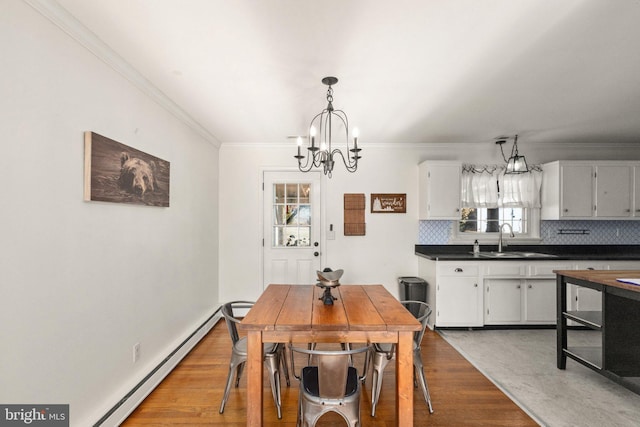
x=516 y=164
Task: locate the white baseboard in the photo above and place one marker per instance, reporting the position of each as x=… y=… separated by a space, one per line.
x=131 y=401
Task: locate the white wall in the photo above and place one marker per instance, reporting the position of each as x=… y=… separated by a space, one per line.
x=387 y=250
x=81 y=282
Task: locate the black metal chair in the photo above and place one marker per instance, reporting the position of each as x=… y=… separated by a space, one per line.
x=382 y=353
x=274 y=356
x=328 y=384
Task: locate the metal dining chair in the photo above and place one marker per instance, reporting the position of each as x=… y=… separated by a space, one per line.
x=328 y=384
x=274 y=356
x=382 y=353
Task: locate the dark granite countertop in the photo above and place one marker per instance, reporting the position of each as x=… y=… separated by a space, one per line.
x=560 y=252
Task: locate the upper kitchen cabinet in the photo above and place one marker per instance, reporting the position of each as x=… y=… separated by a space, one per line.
x=589 y=190
x=439 y=190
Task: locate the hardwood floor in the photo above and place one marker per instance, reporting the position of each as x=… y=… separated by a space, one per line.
x=191 y=394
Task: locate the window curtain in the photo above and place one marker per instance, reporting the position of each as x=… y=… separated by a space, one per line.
x=479 y=187
x=521 y=190
x=489 y=187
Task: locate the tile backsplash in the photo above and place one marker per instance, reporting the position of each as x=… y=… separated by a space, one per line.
x=551 y=232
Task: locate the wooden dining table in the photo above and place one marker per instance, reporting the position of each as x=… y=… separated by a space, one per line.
x=359 y=314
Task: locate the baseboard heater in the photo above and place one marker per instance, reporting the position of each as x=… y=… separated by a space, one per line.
x=131 y=400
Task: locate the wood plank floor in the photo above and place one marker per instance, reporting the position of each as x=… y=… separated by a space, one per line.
x=191 y=394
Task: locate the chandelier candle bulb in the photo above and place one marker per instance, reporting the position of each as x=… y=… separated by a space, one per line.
x=356 y=134
x=312 y=133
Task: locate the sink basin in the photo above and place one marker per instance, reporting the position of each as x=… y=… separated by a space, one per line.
x=515 y=255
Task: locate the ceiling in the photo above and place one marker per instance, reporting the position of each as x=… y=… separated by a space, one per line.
x=410 y=71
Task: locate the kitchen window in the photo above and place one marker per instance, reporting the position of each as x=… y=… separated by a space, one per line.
x=491 y=198
x=484 y=224
x=488 y=220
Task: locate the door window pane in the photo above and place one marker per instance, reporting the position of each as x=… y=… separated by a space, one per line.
x=291 y=215
x=278 y=192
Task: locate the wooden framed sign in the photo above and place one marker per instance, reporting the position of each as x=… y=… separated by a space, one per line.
x=388 y=203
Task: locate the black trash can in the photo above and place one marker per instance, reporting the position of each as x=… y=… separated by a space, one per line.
x=413 y=289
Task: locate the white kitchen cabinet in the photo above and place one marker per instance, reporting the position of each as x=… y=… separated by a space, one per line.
x=474 y=294
x=521 y=293
x=459 y=302
x=636 y=191
x=576 y=186
x=454 y=292
x=503 y=301
x=439 y=189
x=613 y=190
x=539 y=301
x=520 y=301
x=589 y=190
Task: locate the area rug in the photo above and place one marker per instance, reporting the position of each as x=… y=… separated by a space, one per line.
x=522 y=363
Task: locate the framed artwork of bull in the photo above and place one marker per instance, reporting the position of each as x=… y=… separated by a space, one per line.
x=114 y=172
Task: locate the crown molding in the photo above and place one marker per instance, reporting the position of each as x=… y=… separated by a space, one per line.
x=52 y=10
x=449 y=145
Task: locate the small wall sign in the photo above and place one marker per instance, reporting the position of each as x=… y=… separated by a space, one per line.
x=388 y=203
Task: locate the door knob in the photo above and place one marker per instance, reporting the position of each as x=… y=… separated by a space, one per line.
x=316 y=253
x=315 y=244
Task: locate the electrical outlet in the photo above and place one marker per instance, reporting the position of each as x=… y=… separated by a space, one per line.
x=136 y=352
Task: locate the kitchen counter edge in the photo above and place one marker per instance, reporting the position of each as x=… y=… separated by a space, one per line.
x=560 y=252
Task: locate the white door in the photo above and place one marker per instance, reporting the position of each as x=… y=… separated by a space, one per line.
x=291 y=248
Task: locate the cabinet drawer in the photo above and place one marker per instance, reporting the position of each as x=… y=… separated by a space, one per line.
x=544 y=269
x=511 y=269
x=458 y=270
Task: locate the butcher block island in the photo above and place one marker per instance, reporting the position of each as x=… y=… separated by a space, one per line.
x=616 y=354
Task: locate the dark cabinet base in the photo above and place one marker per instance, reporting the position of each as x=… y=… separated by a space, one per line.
x=618 y=356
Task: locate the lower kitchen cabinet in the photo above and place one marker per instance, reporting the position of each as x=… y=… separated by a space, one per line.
x=459 y=302
x=503 y=301
x=474 y=294
x=519 y=301
x=540 y=301
x=454 y=292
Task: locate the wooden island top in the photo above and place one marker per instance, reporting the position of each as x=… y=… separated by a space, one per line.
x=604 y=277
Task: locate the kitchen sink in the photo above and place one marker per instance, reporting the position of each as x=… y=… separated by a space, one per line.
x=515 y=254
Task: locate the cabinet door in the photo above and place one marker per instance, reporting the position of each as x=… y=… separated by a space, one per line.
x=636 y=191
x=443 y=191
x=613 y=191
x=577 y=191
x=540 y=301
x=459 y=302
x=503 y=301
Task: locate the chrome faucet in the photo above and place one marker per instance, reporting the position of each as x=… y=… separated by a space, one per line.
x=510 y=234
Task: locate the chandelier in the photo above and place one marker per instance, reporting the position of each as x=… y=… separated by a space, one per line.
x=324 y=155
x=516 y=164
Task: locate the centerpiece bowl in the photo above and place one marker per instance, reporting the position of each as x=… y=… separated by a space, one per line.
x=328 y=279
